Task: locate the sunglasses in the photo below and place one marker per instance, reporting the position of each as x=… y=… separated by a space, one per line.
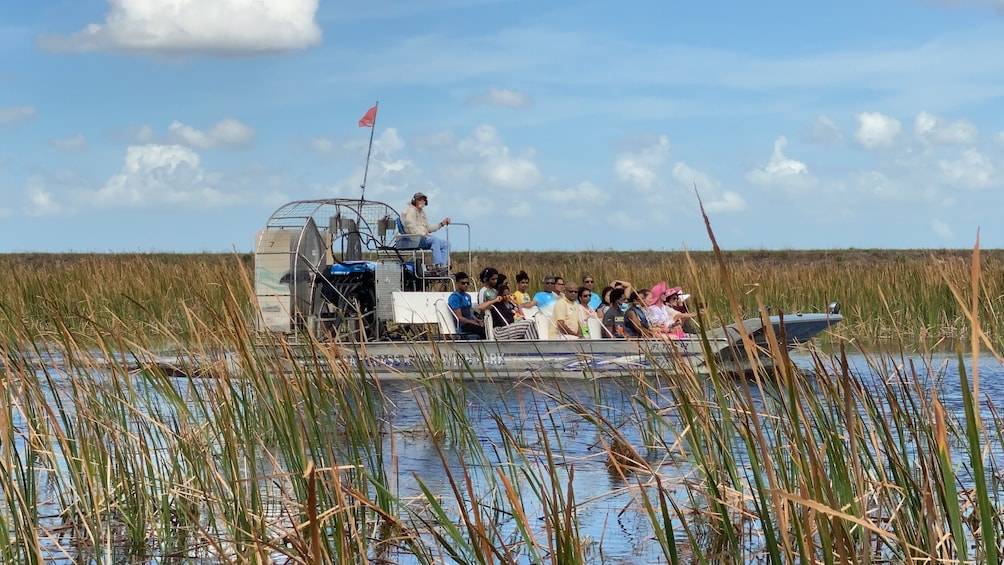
x=588 y=281
x=572 y=291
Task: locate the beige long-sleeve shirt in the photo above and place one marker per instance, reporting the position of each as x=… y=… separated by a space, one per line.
x=416 y=222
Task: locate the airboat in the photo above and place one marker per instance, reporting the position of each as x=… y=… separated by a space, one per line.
x=339 y=273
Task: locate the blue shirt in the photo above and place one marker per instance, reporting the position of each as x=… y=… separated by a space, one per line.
x=461 y=300
x=545 y=299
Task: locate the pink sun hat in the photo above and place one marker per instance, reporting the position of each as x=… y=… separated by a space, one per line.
x=658 y=290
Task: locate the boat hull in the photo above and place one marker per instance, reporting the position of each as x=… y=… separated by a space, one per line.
x=516 y=359
x=587 y=358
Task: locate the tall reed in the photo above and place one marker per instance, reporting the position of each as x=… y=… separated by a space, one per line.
x=236 y=453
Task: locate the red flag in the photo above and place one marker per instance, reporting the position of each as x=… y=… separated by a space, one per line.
x=369 y=119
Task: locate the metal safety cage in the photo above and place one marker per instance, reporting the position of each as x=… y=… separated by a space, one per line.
x=330 y=266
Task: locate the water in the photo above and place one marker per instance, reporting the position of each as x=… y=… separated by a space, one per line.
x=561 y=428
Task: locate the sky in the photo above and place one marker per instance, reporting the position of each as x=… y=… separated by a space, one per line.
x=181 y=125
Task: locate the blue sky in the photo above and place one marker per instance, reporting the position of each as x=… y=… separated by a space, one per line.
x=180 y=125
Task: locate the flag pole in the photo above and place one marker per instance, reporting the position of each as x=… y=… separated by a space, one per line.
x=369 y=151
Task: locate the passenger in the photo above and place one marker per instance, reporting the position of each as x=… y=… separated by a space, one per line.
x=567 y=314
x=635 y=320
x=508 y=319
x=657 y=311
x=521 y=296
x=587 y=312
x=677 y=308
x=594 y=299
x=546 y=297
x=604 y=300
x=613 y=318
x=559 y=287
x=616 y=283
x=415 y=222
x=659 y=320
x=460 y=303
x=489 y=283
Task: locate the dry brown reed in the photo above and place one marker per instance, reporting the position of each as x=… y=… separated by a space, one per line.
x=886 y=294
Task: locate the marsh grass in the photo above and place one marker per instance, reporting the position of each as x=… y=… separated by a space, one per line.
x=108 y=456
x=899 y=295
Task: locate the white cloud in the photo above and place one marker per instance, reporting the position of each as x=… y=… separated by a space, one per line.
x=40 y=201
x=824 y=131
x=156 y=175
x=942 y=229
x=136 y=135
x=227 y=132
x=489 y=161
x=210 y=27
x=16 y=114
x=477 y=207
x=322 y=145
x=434 y=140
x=999 y=138
x=582 y=195
x=712 y=195
x=876 y=130
x=640 y=168
x=782 y=172
x=970 y=170
x=876 y=184
x=502 y=97
x=391 y=176
x=72 y=143
x=930 y=128
x=728 y=202
x=924 y=123
x=388 y=143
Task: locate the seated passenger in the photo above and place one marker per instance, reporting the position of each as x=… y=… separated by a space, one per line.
x=463 y=309
x=677 y=307
x=586 y=312
x=604 y=301
x=613 y=318
x=660 y=323
x=546 y=298
x=568 y=314
x=489 y=281
x=508 y=319
x=521 y=296
x=594 y=299
x=657 y=311
x=415 y=222
x=635 y=320
x=628 y=289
